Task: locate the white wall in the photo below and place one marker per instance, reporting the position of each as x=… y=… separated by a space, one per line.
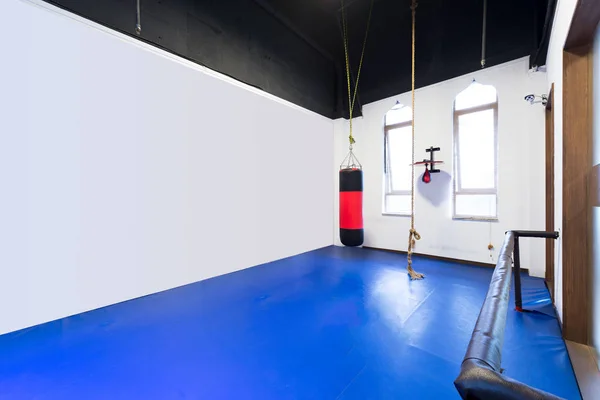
x=521 y=169
x=560 y=29
x=126 y=171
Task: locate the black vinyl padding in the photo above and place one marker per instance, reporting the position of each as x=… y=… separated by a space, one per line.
x=352 y=237
x=481 y=375
x=351 y=180
x=478 y=382
x=536 y=234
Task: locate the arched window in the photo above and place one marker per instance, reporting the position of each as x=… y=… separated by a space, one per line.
x=398 y=156
x=476 y=153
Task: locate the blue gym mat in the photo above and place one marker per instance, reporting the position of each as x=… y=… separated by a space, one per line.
x=335 y=323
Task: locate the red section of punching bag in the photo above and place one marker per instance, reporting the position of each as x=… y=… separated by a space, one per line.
x=351 y=210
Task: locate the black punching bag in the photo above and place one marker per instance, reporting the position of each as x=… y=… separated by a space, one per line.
x=351 y=197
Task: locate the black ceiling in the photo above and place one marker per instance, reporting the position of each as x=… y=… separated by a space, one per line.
x=294 y=50
x=449 y=36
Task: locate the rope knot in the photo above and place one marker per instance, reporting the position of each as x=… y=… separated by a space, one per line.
x=415 y=234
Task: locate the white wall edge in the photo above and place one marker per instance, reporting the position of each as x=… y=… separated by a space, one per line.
x=456 y=78
x=163 y=53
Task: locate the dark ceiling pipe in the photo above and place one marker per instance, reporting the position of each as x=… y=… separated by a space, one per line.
x=484 y=34
x=539 y=57
x=138 y=25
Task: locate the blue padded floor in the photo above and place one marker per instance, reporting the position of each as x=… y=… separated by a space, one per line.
x=335 y=323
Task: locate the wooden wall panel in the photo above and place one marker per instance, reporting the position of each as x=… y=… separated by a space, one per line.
x=577 y=161
x=585 y=22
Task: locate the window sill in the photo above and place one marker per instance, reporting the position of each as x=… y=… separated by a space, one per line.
x=392 y=214
x=476 y=219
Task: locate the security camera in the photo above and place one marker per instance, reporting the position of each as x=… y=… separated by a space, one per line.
x=531 y=99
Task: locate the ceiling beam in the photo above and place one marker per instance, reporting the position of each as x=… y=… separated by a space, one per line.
x=538 y=58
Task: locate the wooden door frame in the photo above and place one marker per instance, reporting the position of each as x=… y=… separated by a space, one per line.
x=577 y=169
x=550 y=191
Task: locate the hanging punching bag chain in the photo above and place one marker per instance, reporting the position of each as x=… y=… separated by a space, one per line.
x=413 y=234
x=352 y=96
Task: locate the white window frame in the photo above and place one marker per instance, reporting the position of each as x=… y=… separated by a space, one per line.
x=456 y=187
x=388 y=191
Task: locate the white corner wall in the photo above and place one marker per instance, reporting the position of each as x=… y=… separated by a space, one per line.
x=521 y=191
x=126 y=171
x=563 y=16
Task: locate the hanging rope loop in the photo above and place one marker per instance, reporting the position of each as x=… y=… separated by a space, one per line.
x=413 y=235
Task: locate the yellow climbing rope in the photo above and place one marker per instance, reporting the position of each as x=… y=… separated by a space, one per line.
x=352 y=97
x=413 y=234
